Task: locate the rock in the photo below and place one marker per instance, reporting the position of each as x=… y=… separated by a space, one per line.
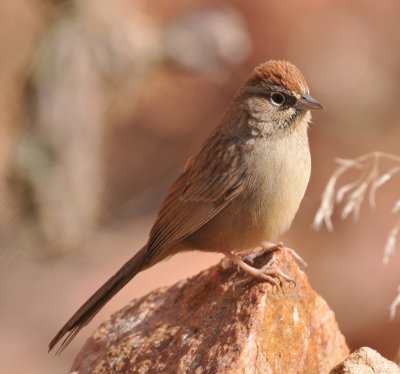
x=366 y=361
x=220 y=321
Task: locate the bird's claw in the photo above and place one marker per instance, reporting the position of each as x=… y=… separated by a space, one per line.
x=272 y=247
x=267 y=273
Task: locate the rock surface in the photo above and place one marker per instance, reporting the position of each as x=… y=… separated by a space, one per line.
x=220 y=321
x=366 y=361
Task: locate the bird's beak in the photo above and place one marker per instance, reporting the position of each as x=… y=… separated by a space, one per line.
x=306 y=102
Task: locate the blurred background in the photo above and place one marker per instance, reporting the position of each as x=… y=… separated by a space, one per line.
x=102 y=102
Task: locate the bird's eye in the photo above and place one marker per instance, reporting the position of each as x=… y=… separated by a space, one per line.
x=278 y=99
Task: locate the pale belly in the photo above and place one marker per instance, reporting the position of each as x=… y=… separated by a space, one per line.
x=266 y=207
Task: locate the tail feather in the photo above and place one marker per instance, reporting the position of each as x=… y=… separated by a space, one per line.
x=97 y=301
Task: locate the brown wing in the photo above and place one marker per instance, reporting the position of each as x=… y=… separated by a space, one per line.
x=211 y=180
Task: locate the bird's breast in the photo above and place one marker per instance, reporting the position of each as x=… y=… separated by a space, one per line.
x=279 y=178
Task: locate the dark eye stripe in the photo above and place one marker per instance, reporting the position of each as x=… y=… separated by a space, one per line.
x=282 y=100
x=268 y=92
x=291 y=101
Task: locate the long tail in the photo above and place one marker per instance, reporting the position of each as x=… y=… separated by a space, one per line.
x=92 y=306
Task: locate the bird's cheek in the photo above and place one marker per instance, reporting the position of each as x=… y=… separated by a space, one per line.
x=306 y=117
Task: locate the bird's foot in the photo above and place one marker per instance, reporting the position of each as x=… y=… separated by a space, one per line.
x=272 y=247
x=267 y=273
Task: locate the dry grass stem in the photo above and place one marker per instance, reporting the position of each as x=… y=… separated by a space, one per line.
x=372 y=176
x=395 y=304
x=353 y=194
x=391 y=243
x=396 y=207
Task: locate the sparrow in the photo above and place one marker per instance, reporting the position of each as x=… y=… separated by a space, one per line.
x=241 y=189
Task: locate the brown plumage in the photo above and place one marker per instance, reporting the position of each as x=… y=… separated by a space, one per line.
x=243 y=187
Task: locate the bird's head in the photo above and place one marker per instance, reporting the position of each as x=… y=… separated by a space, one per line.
x=278 y=96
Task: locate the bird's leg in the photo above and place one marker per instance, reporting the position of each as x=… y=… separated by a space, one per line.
x=266 y=273
x=272 y=247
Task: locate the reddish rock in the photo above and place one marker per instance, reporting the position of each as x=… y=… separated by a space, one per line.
x=220 y=321
x=366 y=361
